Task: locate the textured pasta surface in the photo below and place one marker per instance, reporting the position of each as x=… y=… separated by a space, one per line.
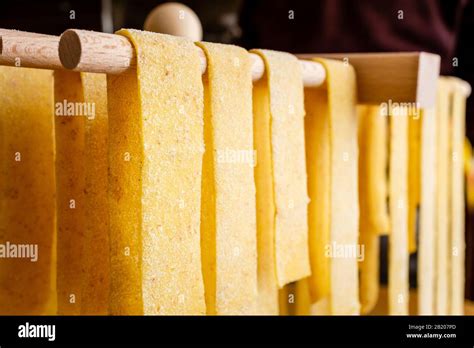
x=155 y=159
x=228 y=218
x=27 y=192
x=285 y=95
x=335 y=209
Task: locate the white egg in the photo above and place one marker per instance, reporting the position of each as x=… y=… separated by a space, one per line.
x=174 y=19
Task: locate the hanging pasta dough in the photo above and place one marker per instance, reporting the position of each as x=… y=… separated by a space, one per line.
x=398 y=254
x=155 y=159
x=442 y=197
x=81 y=171
x=70 y=174
x=373 y=213
x=318 y=155
x=228 y=217
x=457 y=201
x=27 y=188
x=426 y=249
x=285 y=95
x=96 y=278
x=302 y=297
x=267 y=279
x=332 y=156
x=414 y=176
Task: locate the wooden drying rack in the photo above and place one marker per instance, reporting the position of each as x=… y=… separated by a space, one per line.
x=399 y=77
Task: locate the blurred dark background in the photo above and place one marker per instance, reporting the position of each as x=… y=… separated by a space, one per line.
x=439 y=26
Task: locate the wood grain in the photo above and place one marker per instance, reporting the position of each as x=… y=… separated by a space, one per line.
x=400 y=77
x=32 y=50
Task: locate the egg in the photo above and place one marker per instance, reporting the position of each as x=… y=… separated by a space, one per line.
x=174 y=19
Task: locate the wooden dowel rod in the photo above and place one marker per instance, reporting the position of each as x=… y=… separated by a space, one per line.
x=90 y=51
x=24 y=49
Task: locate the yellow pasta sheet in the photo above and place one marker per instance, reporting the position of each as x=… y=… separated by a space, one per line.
x=27 y=192
x=70 y=173
x=442 y=196
x=302 y=297
x=373 y=164
x=427 y=247
x=267 y=302
x=398 y=255
x=456 y=209
x=318 y=155
x=96 y=278
x=373 y=213
x=369 y=269
x=228 y=218
x=468 y=167
x=286 y=299
x=81 y=170
x=322 y=307
x=414 y=175
x=332 y=157
x=155 y=159
x=285 y=91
